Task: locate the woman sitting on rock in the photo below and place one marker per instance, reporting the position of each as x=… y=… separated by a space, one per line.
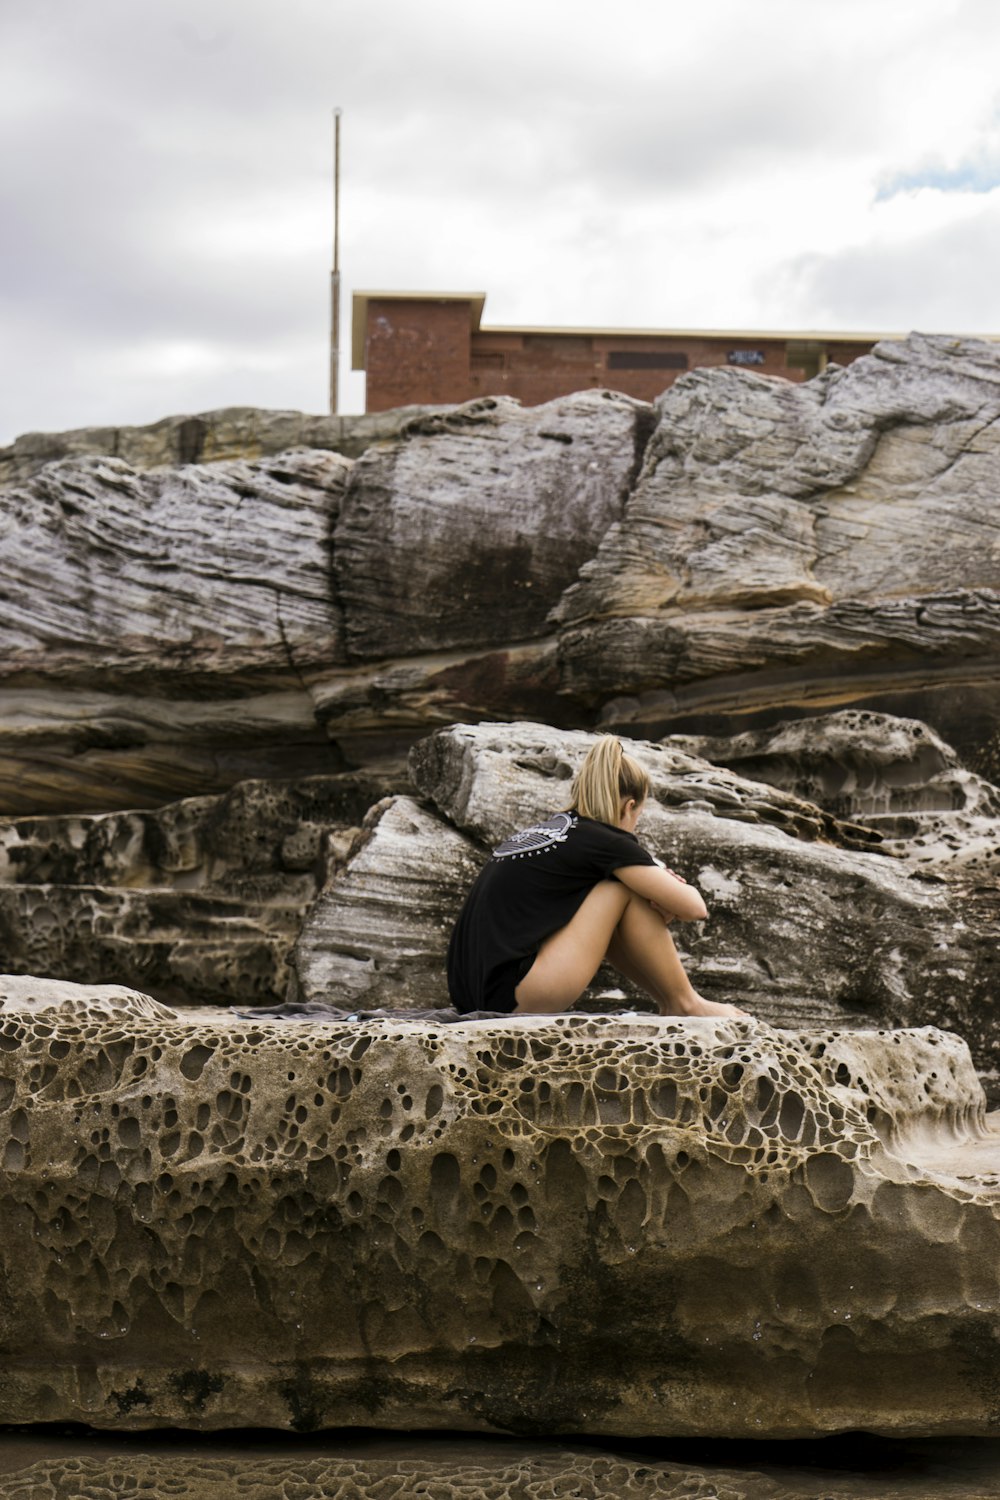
x=557 y=899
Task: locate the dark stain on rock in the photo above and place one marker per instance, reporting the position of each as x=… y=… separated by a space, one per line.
x=645 y=425
x=303 y=1402
x=190 y=438
x=194 y=1387
x=128 y=1400
x=532 y=1392
x=530 y=686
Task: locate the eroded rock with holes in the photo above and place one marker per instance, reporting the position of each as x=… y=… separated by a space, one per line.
x=894 y=775
x=396 y=1225
x=397 y=1468
x=29 y=995
x=807 y=545
x=197 y=901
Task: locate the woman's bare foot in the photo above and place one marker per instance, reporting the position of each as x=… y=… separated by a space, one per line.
x=697 y=1005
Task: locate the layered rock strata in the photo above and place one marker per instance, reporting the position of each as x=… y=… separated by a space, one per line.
x=167 y=633
x=574 y=1225
x=810 y=544
x=744 y=549
x=377 y=935
x=207 y=437
x=293 y=890
x=159 y=629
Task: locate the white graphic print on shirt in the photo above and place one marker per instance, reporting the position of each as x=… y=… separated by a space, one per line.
x=554 y=830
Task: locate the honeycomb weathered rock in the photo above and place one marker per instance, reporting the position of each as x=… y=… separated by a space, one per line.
x=199 y=901
x=556 y=1226
x=390 y=1468
x=894 y=775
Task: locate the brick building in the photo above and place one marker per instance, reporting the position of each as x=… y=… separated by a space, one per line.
x=422 y=348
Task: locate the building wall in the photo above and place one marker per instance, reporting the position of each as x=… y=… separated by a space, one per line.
x=537 y=367
x=422 y=351
x=417 y=353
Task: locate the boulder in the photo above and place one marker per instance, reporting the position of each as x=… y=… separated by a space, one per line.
x=805 y=545
x=172 y=631
x=468 y=532
x=576 y=1225
x=158 y=629
x=233 y=432
x=195 y=574
x=377 y=935
x=196 y=902
x=895 y=776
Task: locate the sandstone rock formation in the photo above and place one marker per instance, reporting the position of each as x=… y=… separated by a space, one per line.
x=168 y=633
x=196 y=902
x=485 y=514
x=275 y=889
x=770 y=548
x=208 y=437
x=806 y=544
x=27 y=995
x=896 y=776
x=157 y=641
x=587 y=1225
x=808 y=923
x=388 y=1224
x=377 y=936
x=389 y=1468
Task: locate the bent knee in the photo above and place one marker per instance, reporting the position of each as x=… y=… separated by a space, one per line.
x=610 y=892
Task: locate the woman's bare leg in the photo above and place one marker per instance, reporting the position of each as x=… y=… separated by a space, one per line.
x=568 y=960
x=612 y=922
x=643 y=950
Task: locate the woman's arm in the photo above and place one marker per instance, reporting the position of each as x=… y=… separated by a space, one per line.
x=666 y=891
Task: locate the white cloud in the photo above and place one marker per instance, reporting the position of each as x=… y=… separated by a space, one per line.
x=939 y=277
x=166 y=178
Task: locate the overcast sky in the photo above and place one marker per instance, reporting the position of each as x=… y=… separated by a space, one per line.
x=166 y=168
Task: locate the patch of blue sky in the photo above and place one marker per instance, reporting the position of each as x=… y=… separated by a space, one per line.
x=967 y=177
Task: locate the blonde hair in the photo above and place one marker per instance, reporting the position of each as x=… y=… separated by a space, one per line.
x=607 y=778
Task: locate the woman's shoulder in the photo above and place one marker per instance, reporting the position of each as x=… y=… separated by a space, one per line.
x=606 y=830
x=619 y=841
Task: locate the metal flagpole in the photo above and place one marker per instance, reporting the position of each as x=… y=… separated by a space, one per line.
x=335 y=274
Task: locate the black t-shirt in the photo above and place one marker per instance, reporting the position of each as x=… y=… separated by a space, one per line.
x=530 y=887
